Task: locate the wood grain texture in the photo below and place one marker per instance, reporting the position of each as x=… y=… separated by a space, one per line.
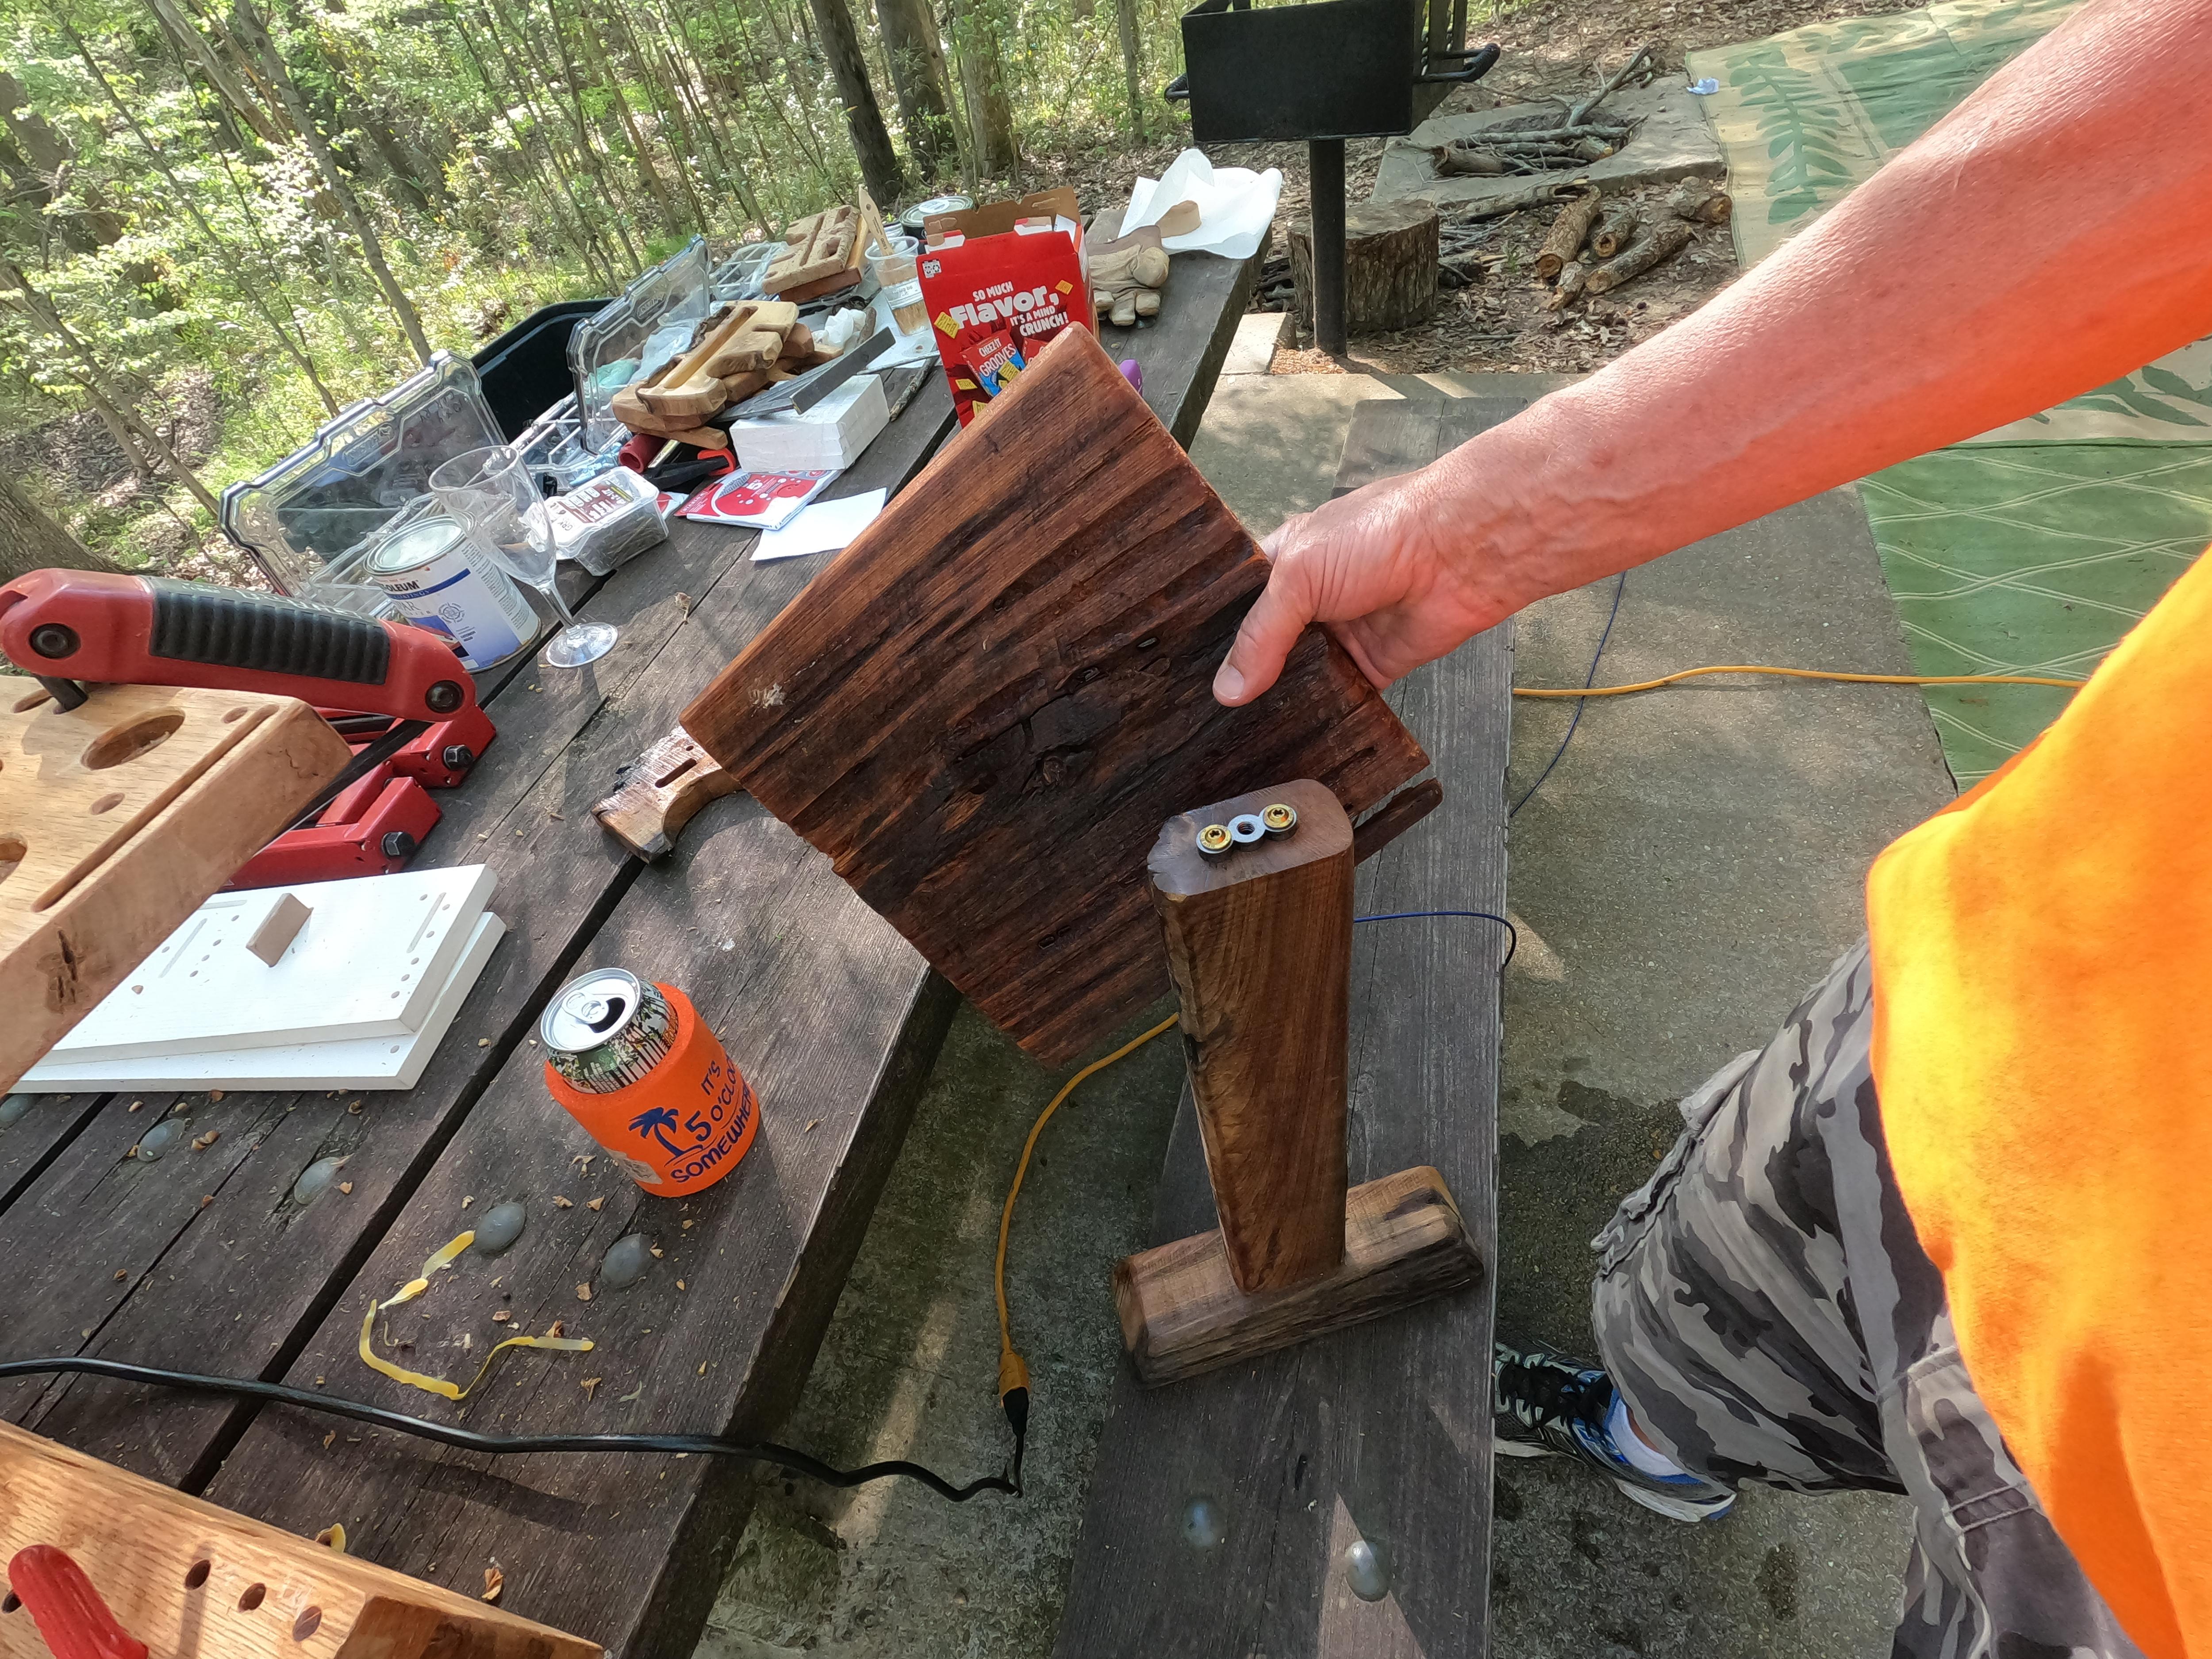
x=985 y=707
x=1382 y=1431
x=1259 y=945
x=241 y=1282
x=1182 y=1314
x=659 y=792
x=143 y=1546
x=117 y=818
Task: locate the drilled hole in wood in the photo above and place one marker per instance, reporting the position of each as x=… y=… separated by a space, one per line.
x=29 y=701
x=12 y=849
x=309 y=1622
x=253 y=1597
x=107 y=803
x=197 y=1574
x=128 y=742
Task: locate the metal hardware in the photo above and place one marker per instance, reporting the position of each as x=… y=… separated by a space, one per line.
x=1214 y=841
x=1246 y=830
x=1279 y=818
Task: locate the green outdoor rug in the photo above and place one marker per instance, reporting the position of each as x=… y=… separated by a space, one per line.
x=2031 y=548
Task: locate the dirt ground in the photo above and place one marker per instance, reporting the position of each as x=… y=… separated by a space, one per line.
x=1554 y=47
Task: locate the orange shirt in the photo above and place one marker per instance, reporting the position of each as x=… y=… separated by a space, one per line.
x=2043 y=1048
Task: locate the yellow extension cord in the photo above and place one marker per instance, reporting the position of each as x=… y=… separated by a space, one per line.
x=1793 y=674
x=1013 y=1373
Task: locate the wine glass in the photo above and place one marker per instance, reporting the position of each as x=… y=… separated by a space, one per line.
x=493 y=494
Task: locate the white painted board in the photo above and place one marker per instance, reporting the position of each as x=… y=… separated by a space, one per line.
x=368 y=962
x=380 y=1062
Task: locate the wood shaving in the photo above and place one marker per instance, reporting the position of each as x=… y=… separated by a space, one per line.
x=332 y=1537
x=560 y=1203
x=554 y=1329
x=330 y=1439
x=589 y=1384
x=679 y=1285
x=346 y=1187
x=600 y=1203
x=494 y=1581
x=136 y=1104
x=122 y=1273
x=355 y=1108
x=688 y=1225
x=468 y=1200
x=214 y=1094
x=702 y=1368
x=206 y=1199
x=583 y=1161
x=583 y=1292
x=658 y=1253
x=810 y=1122
x=501 y=1317
x=485 y=1043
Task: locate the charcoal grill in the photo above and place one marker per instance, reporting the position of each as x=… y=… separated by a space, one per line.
x=1324 y=71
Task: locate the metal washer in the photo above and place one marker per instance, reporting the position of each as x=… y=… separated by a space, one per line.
x=1245 y=829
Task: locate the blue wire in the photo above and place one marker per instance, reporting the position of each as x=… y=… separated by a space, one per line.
x=1512 y=934
x=1589 y=680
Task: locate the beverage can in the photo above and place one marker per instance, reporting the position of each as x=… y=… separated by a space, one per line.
x=442 y=581
x=633 y=1063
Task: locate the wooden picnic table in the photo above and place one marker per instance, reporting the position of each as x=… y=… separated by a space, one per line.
x=205 y=1260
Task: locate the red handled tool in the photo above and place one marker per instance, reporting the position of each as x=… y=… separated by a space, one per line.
x=397 y=694
x=68 y=1611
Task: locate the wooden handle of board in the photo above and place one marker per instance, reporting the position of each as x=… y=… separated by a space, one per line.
x=1259 y=946
x=657 y=794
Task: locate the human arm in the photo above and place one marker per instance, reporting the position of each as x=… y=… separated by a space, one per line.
x=2051 y=234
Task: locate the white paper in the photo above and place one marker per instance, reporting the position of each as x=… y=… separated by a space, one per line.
x=1236 y=205
x=824 y=527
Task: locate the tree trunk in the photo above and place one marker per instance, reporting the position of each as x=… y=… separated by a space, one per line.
x=917 y=61
x=1132 y=60
x=30 y=540
x=594 y=49
x=372 y=249
x=864 y=116
x=589 y=152
x=990 y=116
x=1390 y=266
x=227 y=87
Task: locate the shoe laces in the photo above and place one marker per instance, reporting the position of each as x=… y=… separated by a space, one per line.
x=1539 y=1390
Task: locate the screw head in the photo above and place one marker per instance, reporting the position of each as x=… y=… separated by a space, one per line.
x=1279 y=818
x=1214 y=840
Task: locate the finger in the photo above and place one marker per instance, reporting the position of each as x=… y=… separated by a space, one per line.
x=1265 y=637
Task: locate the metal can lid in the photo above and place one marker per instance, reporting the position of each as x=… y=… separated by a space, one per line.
x=916 y=215
x=416 y=545
x=590 y=1010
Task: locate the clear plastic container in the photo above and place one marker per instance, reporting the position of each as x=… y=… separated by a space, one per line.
x=308 y=520
x=892 y=262
x=738 y=276
x=652 y=323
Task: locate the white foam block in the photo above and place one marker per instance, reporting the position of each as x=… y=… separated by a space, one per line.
x=380 y=1062
x=368 y=962
x=830 y=435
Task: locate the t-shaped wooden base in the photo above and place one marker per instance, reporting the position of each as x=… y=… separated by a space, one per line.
x=1259 y=941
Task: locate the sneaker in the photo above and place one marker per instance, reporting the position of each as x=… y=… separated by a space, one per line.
x=1543 y=1405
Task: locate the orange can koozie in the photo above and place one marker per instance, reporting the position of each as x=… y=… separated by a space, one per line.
x=635 y=1065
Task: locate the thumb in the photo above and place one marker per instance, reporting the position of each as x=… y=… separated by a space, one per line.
x=1265 y=637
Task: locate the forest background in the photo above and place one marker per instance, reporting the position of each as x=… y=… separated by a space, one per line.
x=223 y=221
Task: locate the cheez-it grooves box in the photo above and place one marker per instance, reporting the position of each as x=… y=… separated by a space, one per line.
x=1000 y=281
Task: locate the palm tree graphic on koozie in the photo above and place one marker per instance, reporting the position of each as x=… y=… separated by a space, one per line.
x=656 y=1123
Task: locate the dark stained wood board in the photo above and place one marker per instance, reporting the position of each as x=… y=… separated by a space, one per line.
x=1381 y=1431
x=38 y=1128
x=985 y=708
x=242 y=1281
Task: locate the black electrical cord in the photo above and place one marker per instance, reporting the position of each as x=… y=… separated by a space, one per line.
x=1589 y=680
x=708 y=1445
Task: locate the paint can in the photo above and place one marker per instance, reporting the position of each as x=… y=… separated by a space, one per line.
x=635 y=1064
x=443 y=582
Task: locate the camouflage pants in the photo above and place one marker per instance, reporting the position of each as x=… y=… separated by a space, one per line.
x=1764 y=1304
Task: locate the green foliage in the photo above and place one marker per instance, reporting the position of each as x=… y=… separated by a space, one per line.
x=187 y=245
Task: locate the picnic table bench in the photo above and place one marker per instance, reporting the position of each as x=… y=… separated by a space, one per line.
x=204 y=1259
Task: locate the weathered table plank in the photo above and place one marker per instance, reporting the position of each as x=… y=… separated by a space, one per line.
x=1183 y=349
x=238 y=1282
x=1380 y=1433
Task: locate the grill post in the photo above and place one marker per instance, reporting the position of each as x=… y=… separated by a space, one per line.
x=1325 y=201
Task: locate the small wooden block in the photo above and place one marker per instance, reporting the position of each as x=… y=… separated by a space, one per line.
x=657 y=794
x=820 y=246
x=117 y=818
x=279 y=929
x=1182 y=1313
x=187 y=1577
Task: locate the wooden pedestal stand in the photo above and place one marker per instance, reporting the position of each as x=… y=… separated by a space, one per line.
x=1260 y=944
